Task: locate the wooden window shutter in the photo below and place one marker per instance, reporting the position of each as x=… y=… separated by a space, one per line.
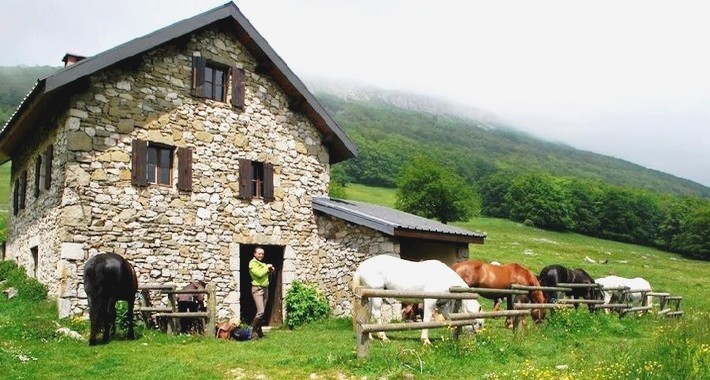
x=198 y=76
x=38 y=169
x=245 y=179
x=237 y=87
x=268 y=182
x=23 y=188
x=138 y=159
x=48 y=167
x=184 y=169
x=16 y=197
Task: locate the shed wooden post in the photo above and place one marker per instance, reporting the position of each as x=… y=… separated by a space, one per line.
x=517 y=320
x=171 y=323
x=457 y=309
x=361 y=317
x=211 y=309
x=664 y=301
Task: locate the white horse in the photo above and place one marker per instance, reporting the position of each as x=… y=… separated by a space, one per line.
x=388 y=272
x=634 y=285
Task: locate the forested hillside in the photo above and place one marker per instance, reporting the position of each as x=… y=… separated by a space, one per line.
x=388 y=136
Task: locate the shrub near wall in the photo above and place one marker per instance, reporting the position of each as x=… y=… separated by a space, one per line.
x=305 y=304
x=27 y=288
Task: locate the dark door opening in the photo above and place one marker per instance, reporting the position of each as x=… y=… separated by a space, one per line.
x=273 y=254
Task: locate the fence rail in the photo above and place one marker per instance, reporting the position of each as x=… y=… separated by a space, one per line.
x=515 y=310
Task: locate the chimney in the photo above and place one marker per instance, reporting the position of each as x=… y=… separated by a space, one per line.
x=70 y=59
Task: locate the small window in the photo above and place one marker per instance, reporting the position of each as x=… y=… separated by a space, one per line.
x=154 y=164
x=159 y=165
x=214 y=82
x=211 y=80
x=38 y=175
x=256 y=180
x=20 y=192
x=47 y=179
x=35 y=260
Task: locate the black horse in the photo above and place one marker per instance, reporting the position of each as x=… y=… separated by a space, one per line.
x=551 y=275
x=109 y=278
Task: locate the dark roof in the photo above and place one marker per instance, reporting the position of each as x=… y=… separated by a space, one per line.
x=394 y=222
x=52 y=88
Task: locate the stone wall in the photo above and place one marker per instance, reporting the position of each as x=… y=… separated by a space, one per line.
x=344 y=247
x=170 y=235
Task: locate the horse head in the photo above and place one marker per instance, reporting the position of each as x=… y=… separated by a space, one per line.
x=538 y=297
x=473 y=306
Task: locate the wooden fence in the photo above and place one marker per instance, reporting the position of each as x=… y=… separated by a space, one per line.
x=515 y=310
x=169 y=313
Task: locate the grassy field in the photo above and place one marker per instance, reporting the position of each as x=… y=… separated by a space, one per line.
x=569 y=345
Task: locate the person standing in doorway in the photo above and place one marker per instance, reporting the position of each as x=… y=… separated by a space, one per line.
x=259 y=272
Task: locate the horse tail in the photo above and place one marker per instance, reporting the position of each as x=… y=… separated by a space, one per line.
x=134 y=277
x=357 y=279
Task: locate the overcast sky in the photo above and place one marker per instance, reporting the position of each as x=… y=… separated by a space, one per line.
x=628 y=79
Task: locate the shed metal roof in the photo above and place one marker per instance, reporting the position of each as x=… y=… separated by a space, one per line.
x=394 y=222
x=53 y=88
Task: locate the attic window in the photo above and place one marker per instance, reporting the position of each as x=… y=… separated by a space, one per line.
x=210 y=80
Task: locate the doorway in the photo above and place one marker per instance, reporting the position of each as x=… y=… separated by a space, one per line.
x=273 y=312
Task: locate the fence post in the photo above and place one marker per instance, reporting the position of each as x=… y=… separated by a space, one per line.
x=171 y=322
x=362 y=316
x=211 y=309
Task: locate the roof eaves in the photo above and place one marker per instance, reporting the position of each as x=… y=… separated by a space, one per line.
x=356 y=217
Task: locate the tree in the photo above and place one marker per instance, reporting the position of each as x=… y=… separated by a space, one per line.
x=540 y=200
x=427 y=189
x=493 y=190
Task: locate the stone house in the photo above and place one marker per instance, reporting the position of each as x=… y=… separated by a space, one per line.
x=182 y=151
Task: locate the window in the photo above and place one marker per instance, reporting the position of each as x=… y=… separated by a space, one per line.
x=210 y=80
x=48 y=154
x=215 y=79
x=256 y=180
x=153 y=164
x=159 y=164
x=43 y=171
x=19 y=192
x=35 y=260
x=38 y=175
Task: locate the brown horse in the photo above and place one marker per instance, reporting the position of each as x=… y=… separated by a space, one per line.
x=478 y=274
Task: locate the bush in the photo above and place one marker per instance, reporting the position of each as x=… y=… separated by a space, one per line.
x=6 y=266
x=27 y=288
x=304 y=304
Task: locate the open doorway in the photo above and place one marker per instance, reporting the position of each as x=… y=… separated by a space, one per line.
x=273 y=254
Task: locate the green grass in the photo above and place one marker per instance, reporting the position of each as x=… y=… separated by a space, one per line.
x=569 y=345
x=375 y=195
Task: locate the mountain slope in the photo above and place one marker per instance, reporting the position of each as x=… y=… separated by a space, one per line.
x=390 y=127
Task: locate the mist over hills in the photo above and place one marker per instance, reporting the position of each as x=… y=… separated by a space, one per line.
x=401 y=123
